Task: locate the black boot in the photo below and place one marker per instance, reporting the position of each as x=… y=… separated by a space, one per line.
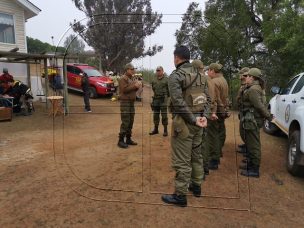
x=155 y=130
x=241 y=150
x=242 y=145
x=178 y=200
x=243 y=167
x=206 y=170
x=129 y=141
x=165 y=131
x=121 y=142
x=195 y=189
x=213 y=164
x=252 y=171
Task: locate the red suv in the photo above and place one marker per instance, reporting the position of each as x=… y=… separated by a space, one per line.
x=99 y=85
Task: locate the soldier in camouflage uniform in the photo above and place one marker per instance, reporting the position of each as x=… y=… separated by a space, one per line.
x=127 y=90
x=242 y=74
x=216 y=133
x=253 y=113
x=160 y=99
x=187 y=128
x=211 y=90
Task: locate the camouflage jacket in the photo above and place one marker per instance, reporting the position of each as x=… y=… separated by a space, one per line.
x=254 y=100
x=179 y=105
x=160 y=87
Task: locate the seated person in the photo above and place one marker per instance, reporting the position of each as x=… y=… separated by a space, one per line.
x=3 y=88
x=5 y=77
x=22 y=97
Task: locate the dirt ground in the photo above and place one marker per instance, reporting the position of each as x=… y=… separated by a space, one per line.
x=68 y=172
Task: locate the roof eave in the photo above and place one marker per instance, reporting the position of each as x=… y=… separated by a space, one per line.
x=30 y=10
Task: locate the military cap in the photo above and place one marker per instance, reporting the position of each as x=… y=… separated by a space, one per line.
x=244 y=71
x=129 y=66
x=197 y=64
x=255 y=72
x=215 y=66
x=159 y=68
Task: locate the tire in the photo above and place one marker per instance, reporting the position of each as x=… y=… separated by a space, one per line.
x=270 y=128
x=294 y=154
x=93 y=93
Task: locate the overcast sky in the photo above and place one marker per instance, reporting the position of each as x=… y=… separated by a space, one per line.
x=56 y=15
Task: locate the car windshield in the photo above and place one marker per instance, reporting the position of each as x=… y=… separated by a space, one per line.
x=92 y=72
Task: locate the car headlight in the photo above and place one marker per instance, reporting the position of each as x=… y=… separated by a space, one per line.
x=102 y=84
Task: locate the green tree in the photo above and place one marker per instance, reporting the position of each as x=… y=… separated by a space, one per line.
x=266 y=34
x=74 y=45
x=188 y=33
x=116 y=29
x=36 y=46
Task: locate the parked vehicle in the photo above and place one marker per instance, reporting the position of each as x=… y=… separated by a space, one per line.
x=288 y=108
x=99 y=84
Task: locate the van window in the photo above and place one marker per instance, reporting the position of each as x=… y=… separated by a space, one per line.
x=73 y=70
x=298 y=86
x=70 y=69
x=77 y=71
x=290 y=84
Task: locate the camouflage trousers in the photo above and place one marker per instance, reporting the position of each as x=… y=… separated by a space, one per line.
x=216 y=137
x=160 y=108
x=127 y=113
x=204 y=149
x=253 y=144
x=187 y=159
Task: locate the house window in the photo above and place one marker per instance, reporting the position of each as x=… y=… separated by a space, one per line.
x=7 y=30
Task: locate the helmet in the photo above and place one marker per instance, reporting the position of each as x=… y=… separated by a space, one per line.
x=113 y=99
x=255 y=72
x=5 y=70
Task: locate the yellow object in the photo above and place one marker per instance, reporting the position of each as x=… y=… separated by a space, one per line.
x=113 y=99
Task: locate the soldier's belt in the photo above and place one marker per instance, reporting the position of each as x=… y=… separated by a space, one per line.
x=159 y=97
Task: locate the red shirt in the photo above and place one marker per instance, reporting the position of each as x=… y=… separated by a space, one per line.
x=6 y=77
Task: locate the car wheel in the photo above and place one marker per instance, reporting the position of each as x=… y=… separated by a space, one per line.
x=293 y=154
x=93 y=93
x=270 y=128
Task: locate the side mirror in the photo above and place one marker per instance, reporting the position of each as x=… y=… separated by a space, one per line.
x=275 y=90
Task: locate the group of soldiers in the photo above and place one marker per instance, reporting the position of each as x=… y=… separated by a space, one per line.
x=199 y=104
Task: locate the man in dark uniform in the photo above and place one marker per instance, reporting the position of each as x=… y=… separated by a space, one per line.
x=188 y=102
x=253 y=113
x=160 y=99
x=85 y=85
x=127 y=92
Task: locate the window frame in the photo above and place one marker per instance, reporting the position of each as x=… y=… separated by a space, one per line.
x=14 y=28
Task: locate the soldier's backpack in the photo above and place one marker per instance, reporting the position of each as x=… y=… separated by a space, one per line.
x=193 y=89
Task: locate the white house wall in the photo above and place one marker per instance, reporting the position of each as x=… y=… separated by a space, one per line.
x=10 y=7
